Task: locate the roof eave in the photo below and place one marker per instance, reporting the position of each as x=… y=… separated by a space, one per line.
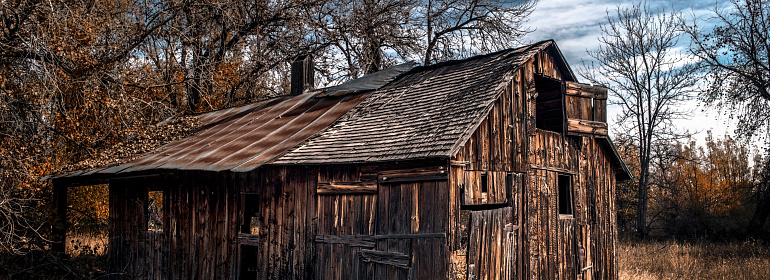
x=622 y=173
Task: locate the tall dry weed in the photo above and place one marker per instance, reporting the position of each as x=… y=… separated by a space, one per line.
x=693 y=260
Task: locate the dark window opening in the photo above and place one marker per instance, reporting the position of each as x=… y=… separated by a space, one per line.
x=249 y=262
x=251 y=223
x=154 y=214
x=549 y=109
x=565 y=195
x=484 y=182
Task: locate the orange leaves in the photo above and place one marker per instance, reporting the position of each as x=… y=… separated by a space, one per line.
x=90 y=208
x=706 y=185
x=713 y=179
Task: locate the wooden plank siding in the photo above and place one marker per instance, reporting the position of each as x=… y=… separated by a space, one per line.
x=546 y=245
x=201 y=225
x=191 y=207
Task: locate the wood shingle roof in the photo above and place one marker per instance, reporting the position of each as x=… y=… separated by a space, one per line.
x=425 y=113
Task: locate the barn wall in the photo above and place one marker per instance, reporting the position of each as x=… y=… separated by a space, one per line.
x=581 y=245
x=287 y=219
x=345 y=220
x=193 y=204
x=516 y=222
x=598 y=225
x=392 y=224
x=203 y=215
x=488 y=236
x=543 y=63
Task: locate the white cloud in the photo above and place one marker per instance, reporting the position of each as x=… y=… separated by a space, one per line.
x=575 y=26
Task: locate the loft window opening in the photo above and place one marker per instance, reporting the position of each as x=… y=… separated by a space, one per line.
x=251 y=223
x=549 y=108
x=566 y=200
x=154 y=213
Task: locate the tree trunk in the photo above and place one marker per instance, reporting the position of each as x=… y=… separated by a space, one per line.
x=641 y=208
x=762 y=211
x=374 y=62
x=193 y=93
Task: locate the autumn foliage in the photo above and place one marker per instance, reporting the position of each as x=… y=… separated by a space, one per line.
x=698 y=190
x=88 y=83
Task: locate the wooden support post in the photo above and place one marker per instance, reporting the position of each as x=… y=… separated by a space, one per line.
x=59 y=221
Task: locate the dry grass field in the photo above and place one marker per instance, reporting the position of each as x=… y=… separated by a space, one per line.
x=695 y=260
x=86 y=244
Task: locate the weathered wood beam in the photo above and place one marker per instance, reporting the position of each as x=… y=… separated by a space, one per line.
x=333 y=188
x=248 y=239
x=410 y=235
x=554 y=169
x=350 y=240
x=459 y=163
x=586 y=127
x=388 y=258
x=585 y=90
x=436 y=173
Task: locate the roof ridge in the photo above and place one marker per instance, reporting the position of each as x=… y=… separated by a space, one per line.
x=479 y=56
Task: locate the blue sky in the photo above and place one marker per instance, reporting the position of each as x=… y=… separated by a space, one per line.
x=575 y=26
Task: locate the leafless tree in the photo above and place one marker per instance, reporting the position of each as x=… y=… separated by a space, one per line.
x=736 y=56
x=460 y=27
x=364 y=36
x=636 y=61
x=358 y=37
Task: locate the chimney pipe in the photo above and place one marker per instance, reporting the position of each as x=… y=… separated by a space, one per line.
x=302 y=74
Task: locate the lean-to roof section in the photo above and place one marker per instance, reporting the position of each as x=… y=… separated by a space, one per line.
x=243 y=138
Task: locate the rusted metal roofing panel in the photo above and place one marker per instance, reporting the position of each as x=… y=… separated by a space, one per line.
x=427 y=112
x=243 y=138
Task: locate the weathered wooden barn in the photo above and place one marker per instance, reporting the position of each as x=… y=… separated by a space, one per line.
x=493 y=167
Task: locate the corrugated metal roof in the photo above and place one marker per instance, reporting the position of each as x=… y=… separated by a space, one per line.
x=243 y=138
x=427 y=112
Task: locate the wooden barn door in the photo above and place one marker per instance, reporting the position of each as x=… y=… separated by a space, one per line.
x=492 y=252
x=542 y=223
x=345 y=229
x=411 y=232
x=551 y=220
x=566 y=234
x=567 y=249
x=493 y=238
